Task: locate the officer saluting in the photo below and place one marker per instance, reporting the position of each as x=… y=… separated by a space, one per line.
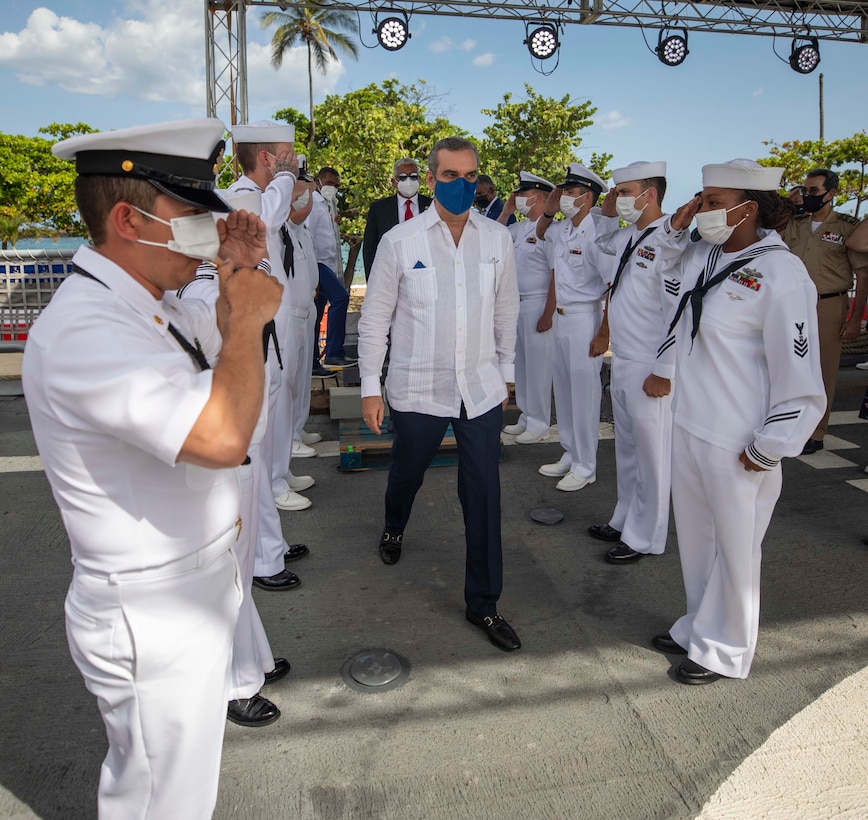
x=140 y=440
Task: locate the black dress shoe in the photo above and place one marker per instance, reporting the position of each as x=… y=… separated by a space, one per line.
x=281 y=670
x=295 y=552
x=319 y=371
x=692 y=673
x=338 y=362
x=390 y=547
x=283 y=580
x=664 y=643
x=622 y=554
x=603 y=532
x=499 y=632
x=812 y=446
x=255 y=711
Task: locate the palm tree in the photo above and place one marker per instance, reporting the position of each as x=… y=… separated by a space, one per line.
x=320 y=30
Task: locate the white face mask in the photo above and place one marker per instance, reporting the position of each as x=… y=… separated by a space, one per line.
x=408 y=187
x=329 y=192
x=712 y=224
x=523 y=204
x=626 y=207
x=300 y=202
x=569 y=207
x=194 y=236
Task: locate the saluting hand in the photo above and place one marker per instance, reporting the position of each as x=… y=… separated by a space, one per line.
x=553 y=201
x=242 y=238
x=284 y=161
x=608 y=208
x=682 y=218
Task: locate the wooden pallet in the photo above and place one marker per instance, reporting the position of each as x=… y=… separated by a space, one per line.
x=363 y=450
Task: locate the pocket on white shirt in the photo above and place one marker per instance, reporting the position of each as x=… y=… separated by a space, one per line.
x=421 y=284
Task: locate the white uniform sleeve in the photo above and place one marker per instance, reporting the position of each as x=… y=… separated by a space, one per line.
x=797 y=398
x=277 y=201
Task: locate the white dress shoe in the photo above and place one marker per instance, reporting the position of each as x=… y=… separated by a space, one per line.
x=530 y=438
x=300 y=483
x=862 y=365
x=292 y=501
x=301 y=450
x=556 y=470
x=514 y=429
x=310 y=438
x=571 y=482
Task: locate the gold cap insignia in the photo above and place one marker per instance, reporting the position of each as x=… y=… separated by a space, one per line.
x=158 y=320
x=127 y=165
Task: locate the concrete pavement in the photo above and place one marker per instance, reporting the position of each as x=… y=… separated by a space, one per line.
x=585 y=721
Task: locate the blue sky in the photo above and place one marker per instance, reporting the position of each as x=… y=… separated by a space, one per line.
x=114 y=63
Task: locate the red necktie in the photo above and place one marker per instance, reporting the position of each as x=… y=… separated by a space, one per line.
x=408 y=209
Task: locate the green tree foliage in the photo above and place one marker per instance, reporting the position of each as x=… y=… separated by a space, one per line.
x=362 y=133
x=37 y=196
x=847 y=157
x=540 y=135
x=321 y=31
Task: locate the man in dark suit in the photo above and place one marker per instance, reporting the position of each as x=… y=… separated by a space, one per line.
x=487 y=200
x=389 y=211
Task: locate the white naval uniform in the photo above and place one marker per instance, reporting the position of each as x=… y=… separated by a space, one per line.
x=251 y=652
x=155 y=592
x=749 y=382
x=301 y=396
x=639 y=313
x=581 y=276
x=534 y=260
x=296 y=358
x=276 y=202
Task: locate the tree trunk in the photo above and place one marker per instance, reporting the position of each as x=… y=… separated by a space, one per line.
x=350 y=268
x=310 y=95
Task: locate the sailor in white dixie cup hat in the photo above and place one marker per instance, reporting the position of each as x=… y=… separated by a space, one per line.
x=581 y=276
x=642 y=296
x=534 y=261
x=141 y=438
x=265 y=152
x=748 y=392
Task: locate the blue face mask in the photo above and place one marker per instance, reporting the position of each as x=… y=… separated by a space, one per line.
x=456 y=196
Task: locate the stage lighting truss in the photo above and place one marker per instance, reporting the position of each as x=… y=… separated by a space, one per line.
x=393 y=32
x=542 y=42
x=672 y=46
x=804 y=54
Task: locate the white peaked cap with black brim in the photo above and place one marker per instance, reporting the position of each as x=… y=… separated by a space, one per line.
x=264 y=131
x=579 y=175
x=531 y=182
x=180 y=158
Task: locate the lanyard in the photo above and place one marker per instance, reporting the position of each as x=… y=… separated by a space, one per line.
x=195 y=353
x=625 y=257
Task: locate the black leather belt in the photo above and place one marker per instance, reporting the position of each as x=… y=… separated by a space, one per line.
x=836 y=293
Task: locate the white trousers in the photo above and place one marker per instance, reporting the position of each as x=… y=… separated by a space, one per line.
x=284 y=414
x=722 y=512
x=153 y=646
x=643 y=455
x=533 y=367
x=251 y=653
x=270 y=545
x=301 y=389
x=578 y=388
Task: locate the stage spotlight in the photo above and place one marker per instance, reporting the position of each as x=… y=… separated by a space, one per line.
x=542 y=42
x=393 y=33
x=804 y=55
x=672 y=49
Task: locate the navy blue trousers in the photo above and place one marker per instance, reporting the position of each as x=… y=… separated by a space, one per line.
x=331 y=290
x=417 y=437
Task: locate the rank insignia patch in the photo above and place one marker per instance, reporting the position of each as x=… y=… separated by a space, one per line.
x=837 y=238
x=800 y=343
x=746 y=278
x=673 y=286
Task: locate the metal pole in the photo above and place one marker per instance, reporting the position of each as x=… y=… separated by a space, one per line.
x=821 y=107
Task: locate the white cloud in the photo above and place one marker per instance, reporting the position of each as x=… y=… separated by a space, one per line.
x=611 y=120
x=468 y=45
x=484 y=59
x=158 y=58
x=441 y=45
